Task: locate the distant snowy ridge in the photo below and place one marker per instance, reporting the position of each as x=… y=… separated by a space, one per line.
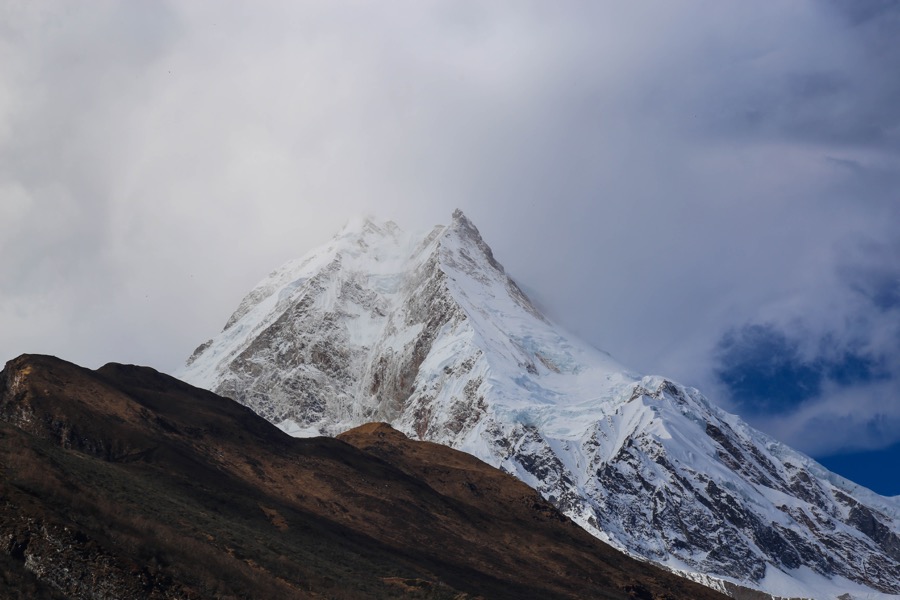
x=428 y=333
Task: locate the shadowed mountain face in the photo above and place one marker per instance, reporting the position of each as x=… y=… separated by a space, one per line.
x=126 y=483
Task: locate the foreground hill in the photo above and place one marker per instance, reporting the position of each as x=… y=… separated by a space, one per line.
x=126 y=483
x=428 y=332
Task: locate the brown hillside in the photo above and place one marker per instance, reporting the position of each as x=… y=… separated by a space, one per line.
x=126 y=483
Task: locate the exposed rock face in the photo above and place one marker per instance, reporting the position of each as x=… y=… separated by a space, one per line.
x=201 y=498
x=431 y=335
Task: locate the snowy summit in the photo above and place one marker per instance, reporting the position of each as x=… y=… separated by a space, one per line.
x=428 y=333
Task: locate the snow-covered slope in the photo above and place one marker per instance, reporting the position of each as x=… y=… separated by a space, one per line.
x=428 y=333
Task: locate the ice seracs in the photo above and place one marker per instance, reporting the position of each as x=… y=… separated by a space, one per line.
x=427 y=332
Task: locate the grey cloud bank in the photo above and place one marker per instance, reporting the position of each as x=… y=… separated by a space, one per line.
x=661 y=176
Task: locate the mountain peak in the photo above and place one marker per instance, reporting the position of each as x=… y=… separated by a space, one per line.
x=460 y=217
x=432 y=337
x=465 y=228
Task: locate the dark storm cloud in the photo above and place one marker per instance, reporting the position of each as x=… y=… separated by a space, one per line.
x=660 y=174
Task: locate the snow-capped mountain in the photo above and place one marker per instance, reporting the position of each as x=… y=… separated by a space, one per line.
x=428 y=333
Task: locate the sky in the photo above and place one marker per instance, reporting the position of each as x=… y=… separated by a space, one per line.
x=708 y=190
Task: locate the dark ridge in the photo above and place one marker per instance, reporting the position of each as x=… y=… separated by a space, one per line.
x=127 y=483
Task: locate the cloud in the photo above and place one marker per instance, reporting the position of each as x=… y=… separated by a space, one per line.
x=845 y=419
x=659 y=174
x=874 y=273
x=836 y=371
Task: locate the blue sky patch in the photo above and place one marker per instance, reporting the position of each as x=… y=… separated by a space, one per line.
x=764 y=371
x=875 y=469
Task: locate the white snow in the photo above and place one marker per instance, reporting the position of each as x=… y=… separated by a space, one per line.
x=554 y=395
